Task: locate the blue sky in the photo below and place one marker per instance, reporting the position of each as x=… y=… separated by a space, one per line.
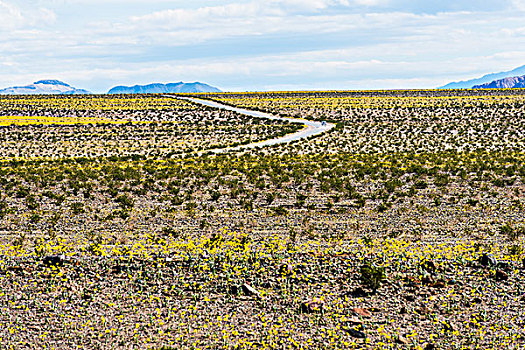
x=259 y=45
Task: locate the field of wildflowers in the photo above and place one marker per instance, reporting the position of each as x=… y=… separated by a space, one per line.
x=401 y=228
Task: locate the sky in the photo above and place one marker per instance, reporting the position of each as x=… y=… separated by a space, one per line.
x=256 y=45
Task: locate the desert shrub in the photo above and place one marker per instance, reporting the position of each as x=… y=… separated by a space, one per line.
x=372 y=276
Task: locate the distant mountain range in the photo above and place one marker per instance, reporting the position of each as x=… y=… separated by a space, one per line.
x=489 y=78
x=44 y=87
x=506 y=83
x=57 y=87
x=164 y=88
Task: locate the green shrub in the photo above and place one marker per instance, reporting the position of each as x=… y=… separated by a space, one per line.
x=372 y=276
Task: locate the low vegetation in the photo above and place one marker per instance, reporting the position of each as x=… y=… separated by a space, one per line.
x=402 y=227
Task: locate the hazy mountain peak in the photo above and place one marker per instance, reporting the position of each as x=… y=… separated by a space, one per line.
x=51 y=82
x=44 y=87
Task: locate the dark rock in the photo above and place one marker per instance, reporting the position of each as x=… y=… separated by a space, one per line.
x=356 y=334
x=355 y=321
x=501 y=275
x=430 y=346
x=234 y=290
x=249 y=290
x=427 y=280
x=16 y=270
x=54 y=260
x=359 y=293
x=267 y=285
x=488 y=259
x=439 y=284
x=311 y=306
x=429 y=266
x=503 y=265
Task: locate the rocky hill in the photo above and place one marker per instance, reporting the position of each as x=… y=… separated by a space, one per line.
x=468 y=84
x=506 y=83
x=179 y=87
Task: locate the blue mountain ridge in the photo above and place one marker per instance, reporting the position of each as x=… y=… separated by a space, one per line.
x=157 y=88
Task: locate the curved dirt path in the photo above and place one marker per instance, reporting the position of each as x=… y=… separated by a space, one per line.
x=311 y=127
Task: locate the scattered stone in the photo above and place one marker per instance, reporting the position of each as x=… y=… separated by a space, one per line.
x=429 y=266
x=355 y=320
x=488 y=259
x=16 y=270
x=234 y=290
x=402 y=340
x=359 y=293
x=249 y=290
x=430 y=346
x=501 y=275
x=361 y=312
x=412 y=281
x=267 y=285
x=439 y=284
x=54 y=260
x=423 y=310
x=87 y=296
x=356 y=334
x=427 y=280
x=409 y=297
x=311 y=306
x=504 y=265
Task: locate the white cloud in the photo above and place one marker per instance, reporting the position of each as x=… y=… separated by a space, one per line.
x=295 y=43
x=14 y=16
x=519 y=4
x=10 y=15
x=184 y=18
x=197 y=17
x=371 y=2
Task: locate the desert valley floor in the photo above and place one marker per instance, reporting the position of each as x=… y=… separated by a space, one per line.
x=400 y=226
